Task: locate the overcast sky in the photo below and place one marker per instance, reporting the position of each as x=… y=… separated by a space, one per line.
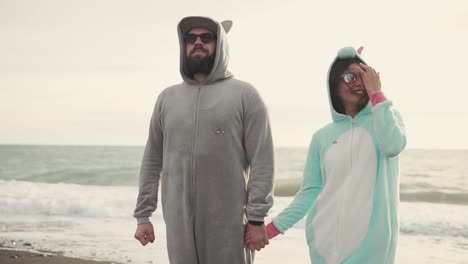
x=89 y=71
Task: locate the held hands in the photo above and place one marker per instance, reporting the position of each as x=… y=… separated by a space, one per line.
x=145 y=233
x=370 y=78
x=271 y=231
x=256 y=237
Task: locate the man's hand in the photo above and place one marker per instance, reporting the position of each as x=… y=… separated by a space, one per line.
x=256 y=237
x=145 y=233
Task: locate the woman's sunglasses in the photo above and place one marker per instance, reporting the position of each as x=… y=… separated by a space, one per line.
x=205 y=38
x=349 y=77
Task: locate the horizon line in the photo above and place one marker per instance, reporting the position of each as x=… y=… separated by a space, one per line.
x=134 y=145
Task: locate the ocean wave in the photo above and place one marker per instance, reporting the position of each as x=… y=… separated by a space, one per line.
x=31 y=198
x=37 y=198
x=113 y=176
x=19 y=198
x=435 y=220
x=435 y=229
x=435 y=197
x=289 y=187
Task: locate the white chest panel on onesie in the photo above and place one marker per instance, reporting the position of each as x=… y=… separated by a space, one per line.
x=344 y=208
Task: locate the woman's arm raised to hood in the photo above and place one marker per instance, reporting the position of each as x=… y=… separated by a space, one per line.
x=388 y=124
x=389 y=129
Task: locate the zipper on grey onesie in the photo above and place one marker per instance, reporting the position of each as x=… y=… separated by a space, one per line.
x=194 y=145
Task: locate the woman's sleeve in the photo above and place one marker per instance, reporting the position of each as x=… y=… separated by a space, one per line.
x=310 y=189
x=389 y=129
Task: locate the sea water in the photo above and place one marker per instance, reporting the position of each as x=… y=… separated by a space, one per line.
x=78 y=201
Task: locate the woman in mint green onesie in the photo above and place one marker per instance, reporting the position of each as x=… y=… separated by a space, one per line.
x=350 y=187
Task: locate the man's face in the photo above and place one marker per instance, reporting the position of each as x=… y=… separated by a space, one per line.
x=200 y=49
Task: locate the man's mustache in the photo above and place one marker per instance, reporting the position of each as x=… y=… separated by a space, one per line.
x=198 y=49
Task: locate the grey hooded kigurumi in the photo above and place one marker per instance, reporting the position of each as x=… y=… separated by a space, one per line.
x=210 y=145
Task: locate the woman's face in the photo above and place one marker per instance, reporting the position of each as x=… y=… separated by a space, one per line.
x=351 y=89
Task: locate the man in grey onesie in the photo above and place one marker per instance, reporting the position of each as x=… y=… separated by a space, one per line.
x=211 y=148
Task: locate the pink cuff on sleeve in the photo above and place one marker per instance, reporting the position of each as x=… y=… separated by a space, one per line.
x=272 y=230
x=378 y=97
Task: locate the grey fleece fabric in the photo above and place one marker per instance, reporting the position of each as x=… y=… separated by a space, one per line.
x=211 y=147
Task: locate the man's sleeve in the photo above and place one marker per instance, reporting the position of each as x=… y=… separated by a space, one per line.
x=151 y=167
x=260 y=154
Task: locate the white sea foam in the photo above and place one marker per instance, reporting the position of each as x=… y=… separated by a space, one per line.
x=430 y=233
x=57 y=199
x=437 y=176
x=31 y=198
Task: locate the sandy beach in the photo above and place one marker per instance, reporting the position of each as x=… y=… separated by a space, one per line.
x=10 y=256
x=429 y=234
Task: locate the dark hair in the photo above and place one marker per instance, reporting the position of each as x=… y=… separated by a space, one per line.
x=336 y=71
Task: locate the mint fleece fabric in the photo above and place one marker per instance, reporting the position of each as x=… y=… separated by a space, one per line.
x=350 y=188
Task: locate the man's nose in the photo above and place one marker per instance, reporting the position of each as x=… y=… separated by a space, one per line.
x=198 y=41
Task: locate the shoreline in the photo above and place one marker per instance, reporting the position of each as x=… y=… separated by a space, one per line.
x=429 y=233
x=23 y=256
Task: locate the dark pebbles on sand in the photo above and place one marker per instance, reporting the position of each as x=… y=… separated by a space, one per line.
x=24 y=257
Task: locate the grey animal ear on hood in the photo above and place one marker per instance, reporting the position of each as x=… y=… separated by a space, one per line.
x=227 y=25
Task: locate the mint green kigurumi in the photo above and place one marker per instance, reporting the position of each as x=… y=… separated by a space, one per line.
x=350 y=186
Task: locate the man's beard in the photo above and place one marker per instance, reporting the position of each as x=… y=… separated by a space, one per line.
x=198 y=64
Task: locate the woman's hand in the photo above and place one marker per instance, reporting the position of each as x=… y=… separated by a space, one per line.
x=370 y=78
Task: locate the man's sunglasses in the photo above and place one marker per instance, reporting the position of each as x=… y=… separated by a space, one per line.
x=349 y=77
x=205 y=38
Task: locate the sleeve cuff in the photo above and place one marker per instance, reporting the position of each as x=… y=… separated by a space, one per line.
x=257 y=223
x=143 y=220
x=272 y=230
x=378 y=97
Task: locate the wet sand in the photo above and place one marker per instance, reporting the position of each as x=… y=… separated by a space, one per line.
x=11 y=256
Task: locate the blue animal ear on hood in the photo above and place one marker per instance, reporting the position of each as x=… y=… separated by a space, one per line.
x=350 y=53
x=227 y=24
x=347 y=53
